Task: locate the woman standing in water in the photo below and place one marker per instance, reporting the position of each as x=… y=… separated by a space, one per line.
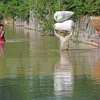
x=64 y=39
x=2 y=39
x=2 y=32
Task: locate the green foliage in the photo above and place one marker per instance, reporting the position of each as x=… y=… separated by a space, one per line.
x=23 y=11
x=76 y=36
x=47 y=28
x=44 y=8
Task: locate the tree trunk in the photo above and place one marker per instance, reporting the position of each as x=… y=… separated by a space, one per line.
x=85 y=28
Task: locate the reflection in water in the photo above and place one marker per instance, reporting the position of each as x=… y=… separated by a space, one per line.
x=63 y=77
x=27 y=69
x=1 y=57
x=20 y=88
x=99 y=53
x=2 y=48
x=19 y=29
x=15 y=40
x=96 y=70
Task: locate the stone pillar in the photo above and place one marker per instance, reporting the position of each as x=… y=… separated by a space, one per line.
x=19 y=21
x=85 y=28
x=33 y=24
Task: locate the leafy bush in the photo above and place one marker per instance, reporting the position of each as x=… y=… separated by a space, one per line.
x=42 y=8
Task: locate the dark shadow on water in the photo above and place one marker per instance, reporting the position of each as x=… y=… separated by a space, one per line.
x=21 y=88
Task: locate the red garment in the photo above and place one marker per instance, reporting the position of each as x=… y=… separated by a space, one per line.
x=2 y=38
x=2 y=48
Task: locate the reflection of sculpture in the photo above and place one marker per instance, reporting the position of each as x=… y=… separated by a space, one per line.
x=63 y=76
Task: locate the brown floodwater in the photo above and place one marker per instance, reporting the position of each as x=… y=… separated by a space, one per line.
x=33 y=68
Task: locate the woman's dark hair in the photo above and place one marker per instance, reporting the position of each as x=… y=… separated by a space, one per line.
x=2 y=25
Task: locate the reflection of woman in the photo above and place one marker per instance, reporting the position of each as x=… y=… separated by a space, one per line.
x=64 y=40
x=1 y=48
x=63 y=76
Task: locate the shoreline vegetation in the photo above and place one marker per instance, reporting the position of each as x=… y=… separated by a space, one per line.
x=38 y=15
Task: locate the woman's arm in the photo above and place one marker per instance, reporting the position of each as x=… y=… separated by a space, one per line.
x=70 y=35
x=73 y=28
x=55 y=32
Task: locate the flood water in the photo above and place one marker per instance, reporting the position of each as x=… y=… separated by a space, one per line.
x=33 y=68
